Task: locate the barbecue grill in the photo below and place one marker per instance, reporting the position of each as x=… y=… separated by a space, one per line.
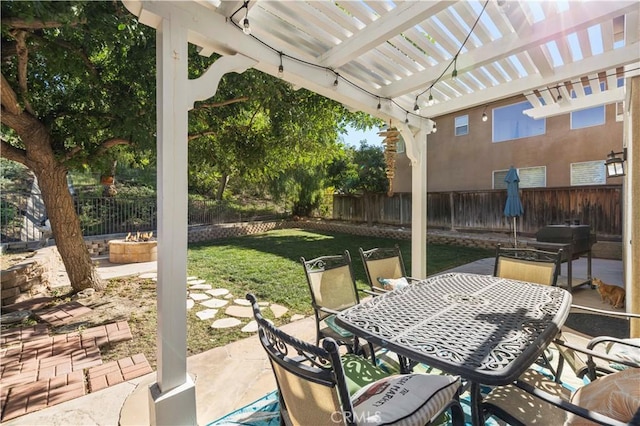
x=574 y=240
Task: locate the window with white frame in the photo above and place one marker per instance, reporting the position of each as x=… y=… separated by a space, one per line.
x=588 y=173
x=530 y=177
x=510 y=123
x=462 y=125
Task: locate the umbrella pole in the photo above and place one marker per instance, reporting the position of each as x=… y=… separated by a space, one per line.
x=515 y=238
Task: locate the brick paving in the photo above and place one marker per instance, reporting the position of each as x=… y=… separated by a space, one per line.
x=38 y=370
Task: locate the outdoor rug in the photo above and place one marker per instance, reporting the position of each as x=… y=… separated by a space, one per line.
x=265 y=412
x=598 y=325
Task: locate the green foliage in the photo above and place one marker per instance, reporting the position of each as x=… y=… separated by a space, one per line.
x=14 y=176
x=361 y=170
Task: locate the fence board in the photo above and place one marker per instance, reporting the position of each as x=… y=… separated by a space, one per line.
x=599 y=206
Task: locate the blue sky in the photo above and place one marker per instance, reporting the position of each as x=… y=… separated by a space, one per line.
x=353 y=137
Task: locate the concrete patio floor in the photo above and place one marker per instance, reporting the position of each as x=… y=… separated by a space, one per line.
x=232 y=376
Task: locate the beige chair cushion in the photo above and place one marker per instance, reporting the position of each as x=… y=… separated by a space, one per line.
x=616 y=395
x=523 y=270
x=406 y=399
x=334 y=288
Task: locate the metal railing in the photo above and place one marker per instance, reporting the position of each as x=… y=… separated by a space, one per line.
x=22 y=215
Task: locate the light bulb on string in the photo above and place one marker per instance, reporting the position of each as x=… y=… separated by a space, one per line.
x=335 y=82
x=416 y=107
x=280 y=68
x=431 y=101
x=245 y=23
x=484 y=114
x=454 y=74
x=379 y=104
x=435 y=129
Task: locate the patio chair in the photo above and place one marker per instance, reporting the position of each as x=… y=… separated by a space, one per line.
x=383 y=264
x=527 y=264
x=312 y=388
x=333 y=289
x=539 y=397
x=585 y=366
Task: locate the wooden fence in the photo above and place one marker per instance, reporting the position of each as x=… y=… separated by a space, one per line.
x=599 y=206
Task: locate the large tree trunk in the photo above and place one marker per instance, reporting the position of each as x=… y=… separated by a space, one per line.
x=66 y=229
x=52 y=179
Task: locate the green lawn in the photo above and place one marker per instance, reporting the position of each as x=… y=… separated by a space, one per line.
x=268 y=265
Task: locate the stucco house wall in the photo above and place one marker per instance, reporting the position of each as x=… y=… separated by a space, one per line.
x=467 y=162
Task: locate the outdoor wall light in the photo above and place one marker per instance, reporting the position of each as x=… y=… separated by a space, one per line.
x=615 y=165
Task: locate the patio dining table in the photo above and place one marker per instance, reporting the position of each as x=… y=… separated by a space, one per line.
x=486 y=329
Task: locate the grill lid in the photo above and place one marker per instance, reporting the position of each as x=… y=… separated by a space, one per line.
x=564 y=233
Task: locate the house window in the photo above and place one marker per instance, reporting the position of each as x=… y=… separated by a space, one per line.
x=510 y=123
x=530 y=177
x=588 y=173
x=462 y=125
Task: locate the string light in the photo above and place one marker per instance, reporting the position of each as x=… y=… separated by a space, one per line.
x=435 y=129
x=280 y=68
x=454 y=74
x=484 y=113
x=246 y=29
x=245 y=23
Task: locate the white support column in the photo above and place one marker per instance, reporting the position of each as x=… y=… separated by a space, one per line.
x=172 y=398
x=416 y=146
x=631 y=197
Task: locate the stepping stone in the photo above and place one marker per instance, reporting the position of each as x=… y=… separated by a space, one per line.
x=200 y=287
x=226 y=323
x=149 y=275
x=229 y=296
x=214 y=303
x=207 y=314
x=278 y=310
x=196 y=282
x=263 y=304
x=239 y=311
x=296 y=317
x=190 y=304
x=199 y=296
x=242 y=302
x=216 y=292
x=252 y=327
x=191 y=278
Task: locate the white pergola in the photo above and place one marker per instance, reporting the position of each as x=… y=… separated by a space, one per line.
x=385 y=58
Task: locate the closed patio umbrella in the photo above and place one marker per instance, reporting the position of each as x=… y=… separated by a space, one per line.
x=513 y=207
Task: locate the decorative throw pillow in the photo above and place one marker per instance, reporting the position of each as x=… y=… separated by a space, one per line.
x=616 y=395
x=393 y=283
x=410 y=398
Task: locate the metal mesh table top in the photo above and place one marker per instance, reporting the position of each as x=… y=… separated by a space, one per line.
x=484 y=328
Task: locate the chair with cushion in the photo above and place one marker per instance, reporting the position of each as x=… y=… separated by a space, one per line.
x=333 y=288
x=539 y=398
x=527 y=264
x=312 y=388
x=384 y=268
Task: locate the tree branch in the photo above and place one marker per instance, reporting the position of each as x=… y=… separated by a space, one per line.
x=23 y=60
x=10 y=152
x=9 y=98
x=19 y=23
x=199 y=135
x=110 y=143
x=223 y=103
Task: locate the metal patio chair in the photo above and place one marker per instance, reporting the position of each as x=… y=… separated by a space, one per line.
x=527 y=264
x=312 y=386
x=383 y=264
x=333 y=288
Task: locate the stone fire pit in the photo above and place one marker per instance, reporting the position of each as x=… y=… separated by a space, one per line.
x=122 y=251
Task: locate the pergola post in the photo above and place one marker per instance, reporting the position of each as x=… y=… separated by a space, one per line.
x=631 y=197
x=172 y=398
x=416 y=146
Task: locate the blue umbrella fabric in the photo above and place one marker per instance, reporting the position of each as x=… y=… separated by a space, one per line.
x=513 y=207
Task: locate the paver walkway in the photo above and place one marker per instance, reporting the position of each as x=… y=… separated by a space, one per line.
x=38 y=370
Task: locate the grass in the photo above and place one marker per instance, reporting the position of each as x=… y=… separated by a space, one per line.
x=267 y=265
